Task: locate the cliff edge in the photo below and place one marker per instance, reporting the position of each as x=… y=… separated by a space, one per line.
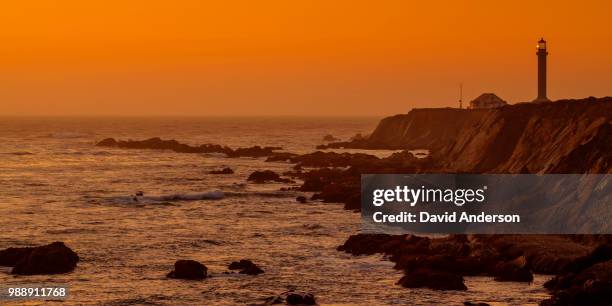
x=567 y=136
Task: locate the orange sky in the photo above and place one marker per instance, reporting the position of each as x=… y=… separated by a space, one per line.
x=292 y=57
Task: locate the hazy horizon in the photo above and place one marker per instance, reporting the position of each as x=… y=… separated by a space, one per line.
x=240 y=58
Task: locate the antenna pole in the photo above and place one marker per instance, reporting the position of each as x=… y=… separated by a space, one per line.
x=460 y=95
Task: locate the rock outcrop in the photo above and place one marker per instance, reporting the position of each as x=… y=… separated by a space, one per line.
x=266 y=176
x=440 y=263
x=157 y=143
x=246 y=267
x=188 y=269
x=571 y=136
x=54 y=258
x=432 y=279
x=290 y=298
x=585 y=281
x=329 y=138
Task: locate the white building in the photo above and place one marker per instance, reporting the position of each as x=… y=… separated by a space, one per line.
x=487 y=100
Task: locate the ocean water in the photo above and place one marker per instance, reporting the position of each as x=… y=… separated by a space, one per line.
x=55 y=185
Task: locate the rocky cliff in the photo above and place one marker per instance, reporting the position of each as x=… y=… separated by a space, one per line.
x=567 y=136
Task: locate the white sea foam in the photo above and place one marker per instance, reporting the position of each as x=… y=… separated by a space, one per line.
x=153 y=199
x=210 y=195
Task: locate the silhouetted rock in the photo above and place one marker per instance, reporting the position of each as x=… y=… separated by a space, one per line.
x=108 y=142
x=591 y=286
x=225 y=170
x=587 y=280
x=316 y=180
x=54 y=258
x=513 y=271
x=330 y=137
x=602 y=253
x=432 y=279
x=353 y=202
x=300 y=299
x=246 y=267
x=502 y=140
x=290 y=298
x=463 y=255
x=281 y=157
x=266 y=176
x=301 y=199
x=9 y=257
x=475 y=304
x=188 y=269
x=173 y=145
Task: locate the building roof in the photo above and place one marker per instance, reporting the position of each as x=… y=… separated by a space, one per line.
x=487 y=100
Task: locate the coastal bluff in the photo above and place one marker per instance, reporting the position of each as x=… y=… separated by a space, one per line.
x=567 y=136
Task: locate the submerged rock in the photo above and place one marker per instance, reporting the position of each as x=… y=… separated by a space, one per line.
x=54 y=258
x=513 y=271
x=586 y=281
x=108 y=142
x=300 y=299
x=330 y=137
x=188 y=269
x=432 y=279
x=290 y=298
x=301 y=199
x=266 y=176
x=9 y=257
x=157 y=143
x=246 y=267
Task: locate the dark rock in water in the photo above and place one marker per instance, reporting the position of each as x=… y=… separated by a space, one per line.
x=246 y=267
x=9 y=257
x=368 y=244
x=266 y=176
x=513 y=271
x=432 y=279
x=301 y=199
x=255 y=151
x=139 y=193
x=173 y=145
x=602 y=253
x=313 y=184
x=252 y=270
x=108 y=142
x=475 y=304
x=225 y=170
x=281 y=157
x=290 y=298
x=586 y=281
x=330 y=137
x=592 y=286
x=188 y=269
x=54 y=258
x=300 y=299
x=238 y=265
x=353 y=202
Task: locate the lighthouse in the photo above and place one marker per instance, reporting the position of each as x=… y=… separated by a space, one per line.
x=542 y=54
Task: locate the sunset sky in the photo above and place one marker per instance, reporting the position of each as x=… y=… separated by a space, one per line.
x=292 y=57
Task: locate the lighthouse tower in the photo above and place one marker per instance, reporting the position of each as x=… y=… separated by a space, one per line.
x=542 y=53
